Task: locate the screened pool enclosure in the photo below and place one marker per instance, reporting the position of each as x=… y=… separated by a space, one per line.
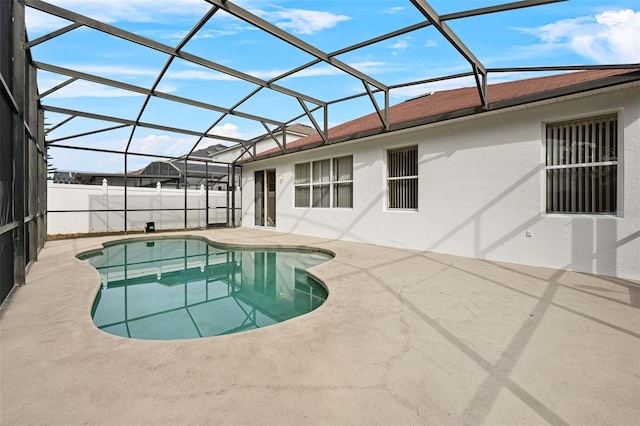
x=141 y=111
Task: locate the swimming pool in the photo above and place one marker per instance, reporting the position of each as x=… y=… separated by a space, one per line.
x=185 y=288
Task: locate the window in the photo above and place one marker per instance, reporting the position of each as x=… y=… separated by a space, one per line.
x=402 y=178
x=582 y=165
x=324 y=183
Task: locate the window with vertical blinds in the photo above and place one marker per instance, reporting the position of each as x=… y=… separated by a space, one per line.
x=402 y=178
x=582 y=165
x=324 y=183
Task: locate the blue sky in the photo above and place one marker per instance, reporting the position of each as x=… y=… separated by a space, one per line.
x=574 y=32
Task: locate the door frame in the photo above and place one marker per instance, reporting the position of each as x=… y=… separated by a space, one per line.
x=265 y=198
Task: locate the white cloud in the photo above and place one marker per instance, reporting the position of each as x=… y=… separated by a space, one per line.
x=393 y=10
x=166 y=88
x=399 y=46
x=430 y=43
x=176 y=36
x=198 y=75
x=160 y=145
x=367 y=67
x=179 y=146
x=322 y=70
x=300 y=21
x=150 y=143
x=37 y=21
x=610 y=37
x=228 y=129
x=315 y=71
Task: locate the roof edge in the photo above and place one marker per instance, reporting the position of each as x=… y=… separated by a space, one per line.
x=493 y=107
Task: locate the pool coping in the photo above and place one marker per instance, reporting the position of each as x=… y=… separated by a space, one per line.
x=180 y=235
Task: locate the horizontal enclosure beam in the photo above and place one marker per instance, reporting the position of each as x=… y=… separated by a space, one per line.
x=8 y=227
x=497 y=8
x=78 y=135
x=53 y=34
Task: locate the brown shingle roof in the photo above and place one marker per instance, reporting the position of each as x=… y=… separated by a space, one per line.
x=448 y=104
x=301 y=129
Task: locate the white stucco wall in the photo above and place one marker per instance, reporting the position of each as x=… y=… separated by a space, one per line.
x=482 y=188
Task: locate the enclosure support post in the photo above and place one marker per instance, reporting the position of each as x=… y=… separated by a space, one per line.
x=43 y=195
x=35 y=155
x=186 y=173
x=19 y=139
x=228 y=197
x=206 y=196
x=233 y=195
x=126 y=172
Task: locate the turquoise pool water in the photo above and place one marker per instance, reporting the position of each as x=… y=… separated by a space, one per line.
x=174 y=288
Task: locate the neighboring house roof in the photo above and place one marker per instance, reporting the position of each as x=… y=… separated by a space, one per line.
x=295 y=129
x=203 y=153
x=445 y=105
x=200 y=168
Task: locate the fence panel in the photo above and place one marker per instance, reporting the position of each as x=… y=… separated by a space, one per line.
x=80 y=209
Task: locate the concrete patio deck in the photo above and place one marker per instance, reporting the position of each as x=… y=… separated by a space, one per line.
x=405 y=337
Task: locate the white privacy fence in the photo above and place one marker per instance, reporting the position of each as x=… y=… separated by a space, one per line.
x=91 y=208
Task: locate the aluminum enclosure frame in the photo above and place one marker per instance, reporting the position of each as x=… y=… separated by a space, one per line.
x=23 y=190
x=25 y=141
x=309 y=104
